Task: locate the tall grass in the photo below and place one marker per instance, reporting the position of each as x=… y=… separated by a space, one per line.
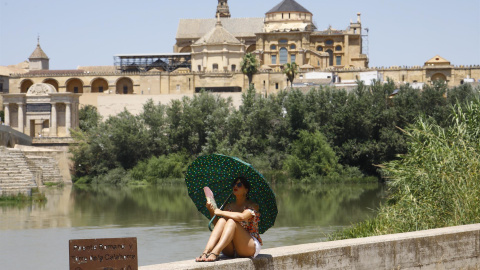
x=22 y=199
x=437 y=183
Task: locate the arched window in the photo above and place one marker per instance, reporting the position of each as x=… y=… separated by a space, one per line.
x=330 y=57
x=124 y=86
x=293 y=47
x=329 y=42
x=273 y=47
x=319 y=48
x=25 y=85
x=338 y=48
x=75 y=85
x=283 y=56
x=99 y=85
x=52 y=82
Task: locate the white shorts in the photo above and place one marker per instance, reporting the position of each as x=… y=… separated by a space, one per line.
x=258 y=247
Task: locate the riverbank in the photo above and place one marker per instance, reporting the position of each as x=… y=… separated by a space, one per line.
x=445 y=248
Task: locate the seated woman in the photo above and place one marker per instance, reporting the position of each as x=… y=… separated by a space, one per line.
x=236 y=231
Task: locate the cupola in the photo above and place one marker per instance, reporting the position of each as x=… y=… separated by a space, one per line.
x=39 y=59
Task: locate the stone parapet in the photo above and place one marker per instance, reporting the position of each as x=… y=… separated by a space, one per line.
x=445 y=248
x=9 y=137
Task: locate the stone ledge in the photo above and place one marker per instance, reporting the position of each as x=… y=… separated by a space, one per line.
x=445 y=248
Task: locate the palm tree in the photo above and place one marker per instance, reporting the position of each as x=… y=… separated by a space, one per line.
x=291 y=70
x=249 y=66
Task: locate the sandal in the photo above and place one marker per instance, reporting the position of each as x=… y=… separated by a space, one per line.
x=217 y=257
x=200 y=259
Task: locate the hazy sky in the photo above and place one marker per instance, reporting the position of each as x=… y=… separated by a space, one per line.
x=89 y=32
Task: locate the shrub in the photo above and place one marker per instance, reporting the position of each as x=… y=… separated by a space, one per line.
x=436 y=184
x=311 y=155
x=157 y=168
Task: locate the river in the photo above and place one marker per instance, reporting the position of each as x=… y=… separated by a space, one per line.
x=165 y=221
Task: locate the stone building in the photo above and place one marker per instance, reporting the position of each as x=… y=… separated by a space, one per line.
x=217 y=50
x=214 y=48
x=286 y=34
x=42 y=111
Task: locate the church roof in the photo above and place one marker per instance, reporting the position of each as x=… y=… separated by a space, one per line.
x=437 y=61
x=38 y=53
x=288 y=6
x=238 y=27
x=218 y=35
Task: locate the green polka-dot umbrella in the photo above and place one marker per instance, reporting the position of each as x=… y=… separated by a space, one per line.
x=218 y=172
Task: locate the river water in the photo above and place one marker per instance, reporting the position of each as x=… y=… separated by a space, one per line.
x=165 y=221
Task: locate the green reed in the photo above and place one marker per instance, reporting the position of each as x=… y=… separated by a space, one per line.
x=436 y=184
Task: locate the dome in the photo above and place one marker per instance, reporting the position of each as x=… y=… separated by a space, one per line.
x=288 y=6
x=41 y=89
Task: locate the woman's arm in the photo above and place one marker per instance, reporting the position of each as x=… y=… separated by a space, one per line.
x=244 y=216
x=212 y=212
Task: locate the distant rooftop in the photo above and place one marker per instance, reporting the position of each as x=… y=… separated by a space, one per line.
x=38 y=53
x=288 y=6
x=238 y=27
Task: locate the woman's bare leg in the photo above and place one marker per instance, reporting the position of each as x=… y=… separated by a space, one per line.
x=214 y=237
x=234 y=233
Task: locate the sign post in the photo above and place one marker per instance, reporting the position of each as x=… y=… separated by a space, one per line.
x=103 y=254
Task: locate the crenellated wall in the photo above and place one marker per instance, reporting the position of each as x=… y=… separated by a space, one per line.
x=266 y=80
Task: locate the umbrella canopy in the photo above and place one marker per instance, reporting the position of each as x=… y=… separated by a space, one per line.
x=218 y=173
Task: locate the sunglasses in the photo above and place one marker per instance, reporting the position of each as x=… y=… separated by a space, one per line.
x=239 y=184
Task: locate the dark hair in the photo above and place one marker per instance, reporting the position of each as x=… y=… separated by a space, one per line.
x=244 y=182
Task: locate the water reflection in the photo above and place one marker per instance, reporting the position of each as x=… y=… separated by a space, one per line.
x=165 y=220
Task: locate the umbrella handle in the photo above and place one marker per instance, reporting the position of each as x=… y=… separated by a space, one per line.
x=211 y=222
x=221 y=208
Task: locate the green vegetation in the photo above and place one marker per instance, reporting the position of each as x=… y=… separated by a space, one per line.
x=290 y=70
x=437 y=182
x=2 y=116
x=351 y=132
x=22 y=199
x=249 y=66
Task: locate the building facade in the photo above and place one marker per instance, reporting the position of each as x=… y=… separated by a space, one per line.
x=42 y=111
x=286 y=34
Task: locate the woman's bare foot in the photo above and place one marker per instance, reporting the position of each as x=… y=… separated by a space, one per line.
x=202 y=257
x=212 y=257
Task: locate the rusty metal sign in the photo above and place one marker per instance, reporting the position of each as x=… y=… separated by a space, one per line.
x=103 y=254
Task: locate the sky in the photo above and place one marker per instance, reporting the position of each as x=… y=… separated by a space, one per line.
x=90 y=32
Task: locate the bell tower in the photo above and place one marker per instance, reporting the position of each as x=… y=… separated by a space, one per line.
x=222 y=9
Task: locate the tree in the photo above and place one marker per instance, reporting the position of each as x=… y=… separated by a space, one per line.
x=89 y=117
x=249 y=66
x=291 y=70
x=311 y=155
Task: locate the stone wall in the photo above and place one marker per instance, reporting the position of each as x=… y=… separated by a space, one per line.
x=9 y=137
x=185 y=82
x=15 y=175
x=445 y=248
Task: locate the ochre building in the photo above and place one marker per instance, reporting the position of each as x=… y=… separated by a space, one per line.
x=208 y=52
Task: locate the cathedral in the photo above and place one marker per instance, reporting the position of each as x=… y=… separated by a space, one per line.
x=286 y=34
x=207 y=55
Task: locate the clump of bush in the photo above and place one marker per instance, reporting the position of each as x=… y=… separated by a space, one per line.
x=155 y=169
x=436 y=183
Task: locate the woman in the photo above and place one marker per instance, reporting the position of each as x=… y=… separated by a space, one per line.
x=236 y=230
